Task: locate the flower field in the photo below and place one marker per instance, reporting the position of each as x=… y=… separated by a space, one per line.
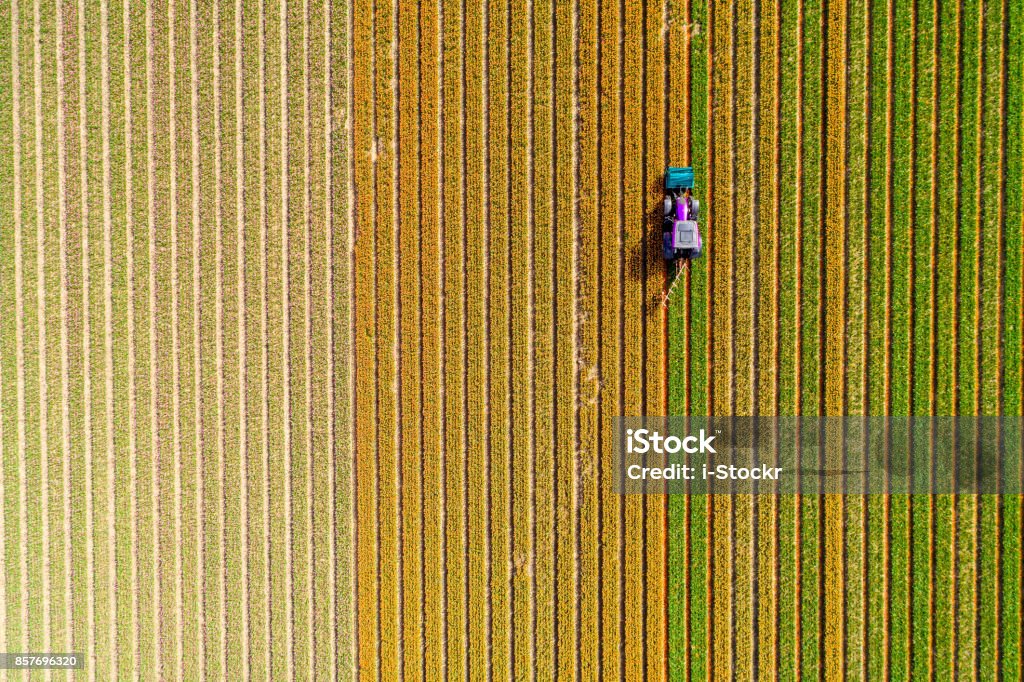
x=315 y=317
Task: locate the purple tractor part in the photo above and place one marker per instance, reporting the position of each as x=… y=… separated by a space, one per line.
x=680 y=233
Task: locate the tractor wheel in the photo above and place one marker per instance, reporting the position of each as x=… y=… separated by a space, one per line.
x=668 y=206
x=695 y=211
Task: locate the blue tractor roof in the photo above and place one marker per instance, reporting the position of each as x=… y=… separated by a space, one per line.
x=677 y=178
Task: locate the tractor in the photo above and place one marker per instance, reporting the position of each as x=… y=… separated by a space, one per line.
x=680 y=233
x=680 y=237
